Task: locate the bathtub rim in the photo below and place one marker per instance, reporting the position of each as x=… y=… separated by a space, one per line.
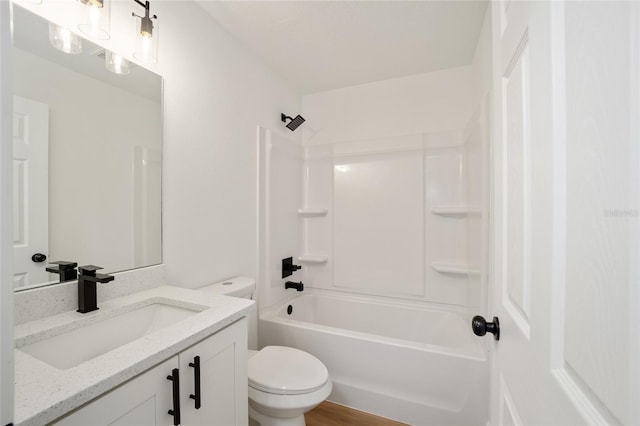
x=476 y=351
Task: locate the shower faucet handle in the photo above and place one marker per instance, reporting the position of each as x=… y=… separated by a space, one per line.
x=288 y=268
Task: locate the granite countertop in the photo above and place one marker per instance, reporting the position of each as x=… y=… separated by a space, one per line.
x=44 y=393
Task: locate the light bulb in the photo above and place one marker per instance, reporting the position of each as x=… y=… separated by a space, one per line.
x=95 y=18
x=116 y=63
x=64 y=40
x=146 y=39
x=146 y=26
x=95 y=3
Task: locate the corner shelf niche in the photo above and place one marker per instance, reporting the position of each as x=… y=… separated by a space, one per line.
x=453 y=268
x=313 y=259
x=312 y=212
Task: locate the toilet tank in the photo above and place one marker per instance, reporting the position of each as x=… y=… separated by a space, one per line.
x=243 y=287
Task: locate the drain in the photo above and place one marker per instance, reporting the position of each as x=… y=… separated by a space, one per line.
x=289 y=309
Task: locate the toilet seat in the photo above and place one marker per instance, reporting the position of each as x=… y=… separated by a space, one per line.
x=286 y=371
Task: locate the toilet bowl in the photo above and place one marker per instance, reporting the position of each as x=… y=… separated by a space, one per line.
x=284 y=382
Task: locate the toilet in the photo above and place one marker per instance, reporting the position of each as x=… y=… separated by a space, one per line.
x=284 y=382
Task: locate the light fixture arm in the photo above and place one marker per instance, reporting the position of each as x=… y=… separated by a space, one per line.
x=146 y=27
x=146 y=5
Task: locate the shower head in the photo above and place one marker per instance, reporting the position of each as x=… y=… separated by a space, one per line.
x=294 y=123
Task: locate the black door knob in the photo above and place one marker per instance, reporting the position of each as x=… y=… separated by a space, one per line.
x=481 y=327
x=39 y=257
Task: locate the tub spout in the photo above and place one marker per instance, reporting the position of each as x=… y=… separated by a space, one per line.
x=292 y=284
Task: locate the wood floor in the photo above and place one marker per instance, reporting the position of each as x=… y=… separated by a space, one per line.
x=331 y=414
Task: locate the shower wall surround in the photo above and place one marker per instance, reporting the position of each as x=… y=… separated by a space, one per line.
x=396 y=221
x=398 y=165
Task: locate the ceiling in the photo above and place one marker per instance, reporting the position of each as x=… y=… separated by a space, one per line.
x=323 y=45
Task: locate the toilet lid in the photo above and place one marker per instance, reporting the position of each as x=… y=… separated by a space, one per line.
x=286 y=371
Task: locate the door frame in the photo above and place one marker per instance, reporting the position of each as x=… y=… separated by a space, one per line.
x=6 y=167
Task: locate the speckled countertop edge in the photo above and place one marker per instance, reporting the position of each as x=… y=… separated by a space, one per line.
x=44 y=393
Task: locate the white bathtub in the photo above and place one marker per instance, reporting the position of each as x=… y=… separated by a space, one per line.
x=415 y=365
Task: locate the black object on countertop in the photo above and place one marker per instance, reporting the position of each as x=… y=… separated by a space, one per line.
x=87 y=279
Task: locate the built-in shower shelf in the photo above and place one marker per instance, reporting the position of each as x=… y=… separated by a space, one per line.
x=315 y=259
x=453 y=268
x=457 y=211
x=312 y=212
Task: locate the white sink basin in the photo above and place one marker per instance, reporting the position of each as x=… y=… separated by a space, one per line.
x=72 y=348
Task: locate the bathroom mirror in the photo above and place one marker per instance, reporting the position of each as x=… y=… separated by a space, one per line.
x=87 y=156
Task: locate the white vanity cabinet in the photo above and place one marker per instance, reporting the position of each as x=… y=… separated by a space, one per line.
x=147 y=398
x=223 y=379
x=140 y=401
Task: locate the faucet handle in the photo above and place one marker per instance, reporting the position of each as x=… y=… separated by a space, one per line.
x=104 y=278
x=66 y=270
x=288 y=268
x=89 y=270
x=63 y=265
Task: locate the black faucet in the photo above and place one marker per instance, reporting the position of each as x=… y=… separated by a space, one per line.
x=66 y=270
x=292 y=284
x=87 y=298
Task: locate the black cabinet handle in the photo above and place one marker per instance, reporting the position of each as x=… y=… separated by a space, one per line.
x=38 y=258
x=175 y=379
x=481 y=327
x=196 y=378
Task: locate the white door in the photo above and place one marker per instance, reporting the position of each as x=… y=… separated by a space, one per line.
x=30 y=191
x=566 y=214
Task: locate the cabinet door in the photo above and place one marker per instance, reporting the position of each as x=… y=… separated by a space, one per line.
x=143 y=400
x=223 y=379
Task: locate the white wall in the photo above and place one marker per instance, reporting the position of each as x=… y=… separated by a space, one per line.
x=477 y=141
x=215 y=93
x=481 y=67
x=90 y=161
x=423 y=103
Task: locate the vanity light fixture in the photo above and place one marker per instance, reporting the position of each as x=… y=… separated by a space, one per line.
x=95 y=18
x=145 y=34
x=64 y=40
x=116 y=63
